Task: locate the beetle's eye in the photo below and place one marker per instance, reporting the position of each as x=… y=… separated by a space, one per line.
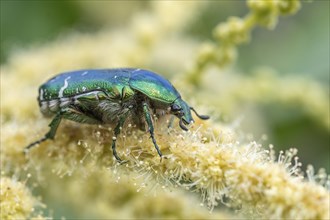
x=175 y=108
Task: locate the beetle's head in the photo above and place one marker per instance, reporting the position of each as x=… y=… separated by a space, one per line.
x=182 y=110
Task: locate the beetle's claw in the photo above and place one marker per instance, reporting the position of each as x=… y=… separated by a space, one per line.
x=122 y=162
x=182 y=125
x=163 y=156
x=26 y=151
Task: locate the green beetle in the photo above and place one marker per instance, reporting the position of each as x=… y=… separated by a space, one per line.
x=110 y=96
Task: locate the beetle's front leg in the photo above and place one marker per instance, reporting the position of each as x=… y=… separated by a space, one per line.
x=151 y=127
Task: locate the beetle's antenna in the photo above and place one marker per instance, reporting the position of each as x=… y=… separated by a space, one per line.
x=203 y=117
x=182 y=125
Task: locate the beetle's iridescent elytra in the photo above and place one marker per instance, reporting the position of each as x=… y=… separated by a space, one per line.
x=110 y=96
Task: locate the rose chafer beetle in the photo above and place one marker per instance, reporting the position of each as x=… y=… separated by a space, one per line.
x=110 y=96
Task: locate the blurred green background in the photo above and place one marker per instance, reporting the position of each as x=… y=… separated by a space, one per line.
x=298 y=45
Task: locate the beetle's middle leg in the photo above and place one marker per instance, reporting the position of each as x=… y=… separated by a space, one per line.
x=151 y=127
x=117 y=130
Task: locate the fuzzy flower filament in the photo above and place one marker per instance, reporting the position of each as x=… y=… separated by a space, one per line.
x=242 y=176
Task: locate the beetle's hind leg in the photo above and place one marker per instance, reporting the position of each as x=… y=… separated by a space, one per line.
x=69 y=113
x=50 y=134
x=151 y=127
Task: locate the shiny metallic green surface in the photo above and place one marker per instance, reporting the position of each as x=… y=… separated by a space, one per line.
x=77 y=82
x=153 y=86
x=111 y=81
x=111 y=96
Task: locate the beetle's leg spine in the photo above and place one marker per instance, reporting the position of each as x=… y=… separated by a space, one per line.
x=182 y=125
x=27 y=148
x=151 y=127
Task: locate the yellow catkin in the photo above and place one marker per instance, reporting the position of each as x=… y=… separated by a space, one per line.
x=210 y=162
x=235 y=31
x=242 y=172
x=16 y=200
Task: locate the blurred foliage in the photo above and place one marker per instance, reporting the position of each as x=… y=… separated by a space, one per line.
x=304 y=38
x=25 y=23
x=28 y=22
